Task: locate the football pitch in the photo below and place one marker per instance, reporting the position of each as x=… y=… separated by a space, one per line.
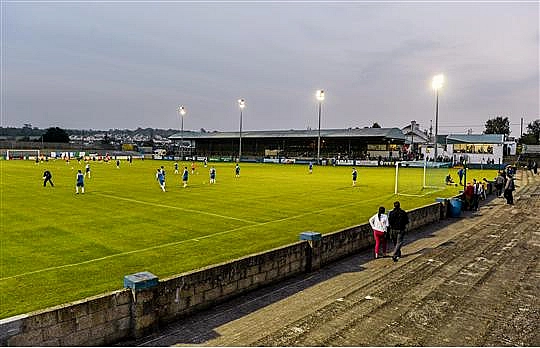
x=57 y=246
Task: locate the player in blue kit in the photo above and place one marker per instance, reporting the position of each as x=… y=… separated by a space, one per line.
x=185 y=176
x=175 y=167
x=310 y=167
x=237 y=170
x=80 y=182
x=354 y=176
x=160 y=176
x=212 y=175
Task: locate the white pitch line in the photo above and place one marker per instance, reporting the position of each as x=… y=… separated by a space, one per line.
x=183 y=241
x=177 y=208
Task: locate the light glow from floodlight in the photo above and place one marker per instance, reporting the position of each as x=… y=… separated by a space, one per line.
x=182 y=110
x=437 y=82
x=242 y=103
x=320 y=95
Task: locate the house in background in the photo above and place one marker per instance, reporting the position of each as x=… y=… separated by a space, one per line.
x=476 y=148
x=415 y=138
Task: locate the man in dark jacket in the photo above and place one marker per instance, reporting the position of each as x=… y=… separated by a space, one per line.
x=398 y=220
x=47 y=176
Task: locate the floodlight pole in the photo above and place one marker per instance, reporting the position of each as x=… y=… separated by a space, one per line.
x=320 y=98
x=319 y=137
x=242 y=105
x=240 y=140
x=181 y=111
x=437 y=84
x=436 y=122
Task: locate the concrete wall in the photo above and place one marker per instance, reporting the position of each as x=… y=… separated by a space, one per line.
x=124 y=314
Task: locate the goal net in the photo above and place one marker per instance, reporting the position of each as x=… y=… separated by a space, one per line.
x=22 y=154
x=419 y=178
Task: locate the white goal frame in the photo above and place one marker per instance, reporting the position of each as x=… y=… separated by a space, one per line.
x=424 y=186
x=11 y=151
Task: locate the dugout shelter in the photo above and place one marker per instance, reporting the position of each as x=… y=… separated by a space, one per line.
x=336 y=144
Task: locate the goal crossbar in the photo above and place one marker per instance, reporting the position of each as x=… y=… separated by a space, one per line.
x=15 y=153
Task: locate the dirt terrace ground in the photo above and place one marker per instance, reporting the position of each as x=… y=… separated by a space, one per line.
x=472 y=281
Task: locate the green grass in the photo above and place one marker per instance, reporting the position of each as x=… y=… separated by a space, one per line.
x=57 y=246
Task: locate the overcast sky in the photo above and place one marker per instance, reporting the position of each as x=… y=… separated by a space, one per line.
x=130 y=64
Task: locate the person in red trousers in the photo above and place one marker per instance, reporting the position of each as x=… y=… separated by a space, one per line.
x=379 y=224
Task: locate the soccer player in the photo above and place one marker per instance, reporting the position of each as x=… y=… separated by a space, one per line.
x=205 y=162
x=310 y=167
x=212 y=175
x=237 y=170
x=192 y=167
x=87 y=170
x=118 y=163
x=162 y=171
x=47 y=176
x=80 y=182
x=354 y=176
x=160 y=176
x=175 y=167
x=185 y=176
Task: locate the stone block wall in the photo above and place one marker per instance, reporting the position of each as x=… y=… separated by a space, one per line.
x=426 y=215
x=181 y=295
x=99 y=320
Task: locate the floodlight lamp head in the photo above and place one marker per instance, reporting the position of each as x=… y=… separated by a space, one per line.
x=320 y=95
x=182 y=110
x=242 y=103
x=437 y=82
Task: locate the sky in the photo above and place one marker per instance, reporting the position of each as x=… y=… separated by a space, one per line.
x=116 y=64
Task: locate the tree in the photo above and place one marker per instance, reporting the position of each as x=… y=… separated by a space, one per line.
x=534 y=128
x=376 y=125
x=532 y=137
x=55 y=135
x=498 y=125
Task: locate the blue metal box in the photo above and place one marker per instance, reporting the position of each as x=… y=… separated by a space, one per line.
x=310 y=236
x=139 y=281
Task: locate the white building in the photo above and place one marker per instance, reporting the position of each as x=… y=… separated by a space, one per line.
x=476 y=148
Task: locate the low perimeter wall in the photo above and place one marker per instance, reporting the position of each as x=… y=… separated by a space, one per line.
x=125 y=314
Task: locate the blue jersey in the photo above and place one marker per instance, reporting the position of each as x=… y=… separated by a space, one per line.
x=354 y=174
x=176 y=166
x=80 y=179
x=237 y=170
x=310 y=166
x=212 y=173
x=185 y=175
x=161 y=178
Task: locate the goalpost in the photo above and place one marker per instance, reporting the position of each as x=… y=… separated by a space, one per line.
x=419 y=178
x=22 y=154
